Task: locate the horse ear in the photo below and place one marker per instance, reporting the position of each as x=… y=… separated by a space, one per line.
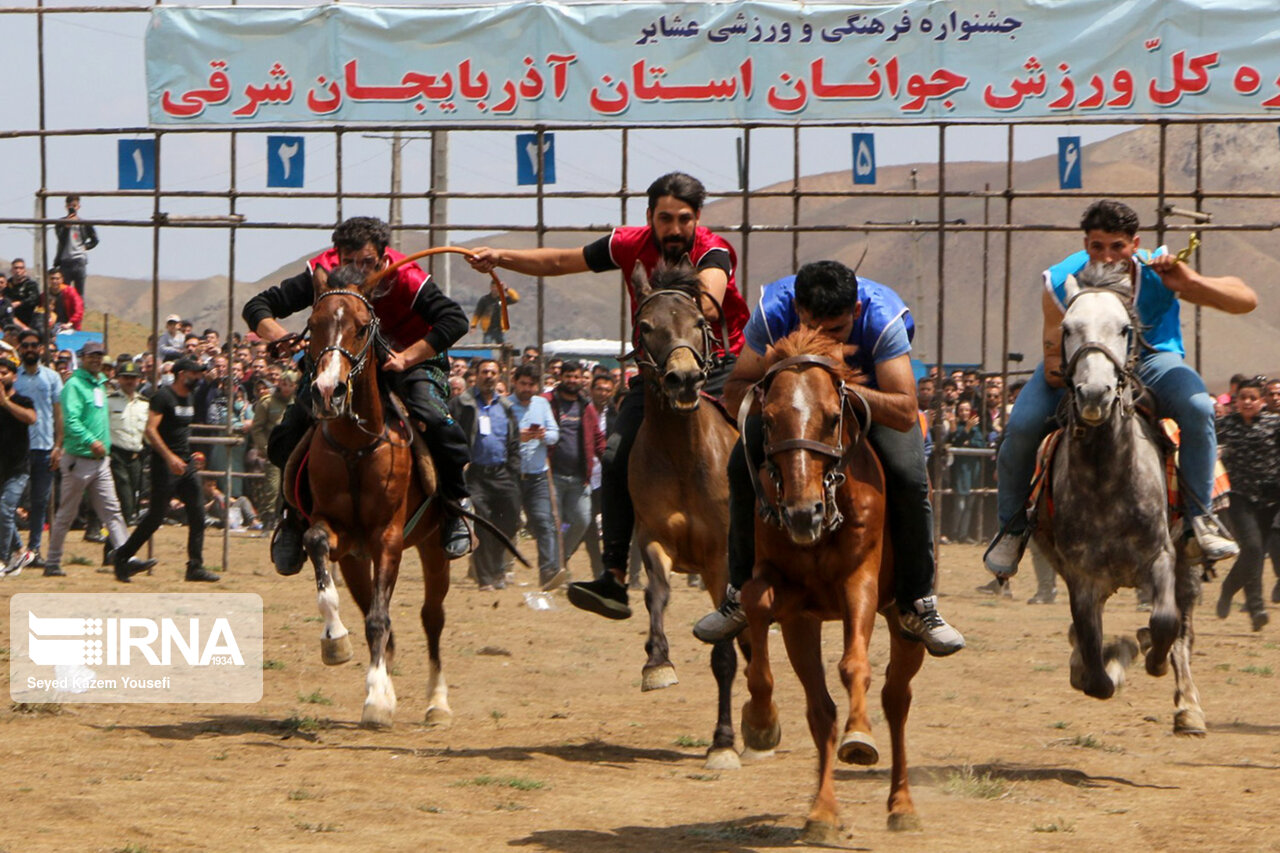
x=1072 y=287
x=686 y=264
x=319 y=279
x=640 y=281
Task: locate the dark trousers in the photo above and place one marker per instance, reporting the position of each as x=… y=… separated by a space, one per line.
x=126 y=470
x=164 y=485
x=496 y=496
x=906 y=492
x=41 y=486
x=617 y=515
x=426 y=404
x=1251 y=524
x=73 y=270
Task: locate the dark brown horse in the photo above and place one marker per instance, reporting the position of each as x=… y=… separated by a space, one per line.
x=823 y=554
x=365 y=487
x=679 y=477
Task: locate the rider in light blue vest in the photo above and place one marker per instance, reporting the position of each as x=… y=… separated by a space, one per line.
x=1160 y=281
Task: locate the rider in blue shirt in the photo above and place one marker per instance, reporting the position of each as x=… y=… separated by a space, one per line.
x=876 y=328
x=1160 y=280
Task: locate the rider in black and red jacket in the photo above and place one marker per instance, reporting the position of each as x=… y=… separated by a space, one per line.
x=419 y=324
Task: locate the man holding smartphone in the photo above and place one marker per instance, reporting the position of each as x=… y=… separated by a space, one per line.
x=538 y=431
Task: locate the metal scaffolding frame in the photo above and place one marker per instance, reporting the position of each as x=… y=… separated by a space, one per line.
x=1188 y=203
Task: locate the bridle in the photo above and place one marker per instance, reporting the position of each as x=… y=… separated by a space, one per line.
x=1129 y=386
x=357 y=360
x=704 y=356
x=838 y=455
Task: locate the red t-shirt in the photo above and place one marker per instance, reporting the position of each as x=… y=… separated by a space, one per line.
x=400 y=323
x=635 y=243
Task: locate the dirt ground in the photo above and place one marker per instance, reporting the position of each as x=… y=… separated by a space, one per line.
x=554 y=747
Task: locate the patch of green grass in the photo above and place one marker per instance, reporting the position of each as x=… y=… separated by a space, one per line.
x=25 y=790
x=1059 y=724
x=497 y=716
x=315 y=827
x=519 y=783
x=132 y=847
x=1222 y=667
x=301 y=794
x=313 y=619
x=295 y=723
x=703 y=777
x=51 y=709
x=980 y=786
x=1058 y=825
x=1264 y=671
x=77 y=560
x=423 y=807
x=315 y=697
x=272 y=664
x=1088 y=741
x=221 y=756
x=691 y=741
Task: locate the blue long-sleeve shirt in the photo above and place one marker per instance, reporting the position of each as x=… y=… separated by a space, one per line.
x=537 y=412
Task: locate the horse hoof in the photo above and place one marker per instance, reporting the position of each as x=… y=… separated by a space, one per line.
x=335 y=651
x=750 y=754
x=858 y=748
x=820 y=833
x=1189 y=723
x=439 y=717
x=376 y=717
x=658 y=677
x=723 y=758
x=760 y=739
x=905 y=822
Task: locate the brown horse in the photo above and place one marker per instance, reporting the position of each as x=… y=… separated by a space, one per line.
x=365 y=487
x=679 y=477
x=823 y=554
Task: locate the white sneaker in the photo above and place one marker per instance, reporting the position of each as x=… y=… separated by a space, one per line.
x=925 y=624
x=1212 y=539
x=1004 y=553
x=17 y=563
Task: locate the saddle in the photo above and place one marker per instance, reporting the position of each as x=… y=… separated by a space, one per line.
x=1167 y=438
x=296 y=485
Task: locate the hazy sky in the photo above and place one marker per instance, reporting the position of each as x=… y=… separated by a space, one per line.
x=95 y=79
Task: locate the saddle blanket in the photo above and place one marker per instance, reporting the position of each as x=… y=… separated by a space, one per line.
x=1040 y=482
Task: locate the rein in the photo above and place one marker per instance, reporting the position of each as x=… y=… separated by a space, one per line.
x=706 y=359
x=1130 y=386
x=840 y=454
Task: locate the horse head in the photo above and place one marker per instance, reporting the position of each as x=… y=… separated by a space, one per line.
x=1098 y=338
x=342 y=330
x=672 y=337
x=804 y=397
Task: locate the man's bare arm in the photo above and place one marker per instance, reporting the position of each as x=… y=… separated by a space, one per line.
x=748 y=370
x=894 y=403
x=1225 y=292
x=1051 y=339
x=538 y=262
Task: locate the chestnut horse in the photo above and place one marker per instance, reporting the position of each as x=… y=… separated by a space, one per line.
x=365 y=487
x=822 y=553
x=679 y=477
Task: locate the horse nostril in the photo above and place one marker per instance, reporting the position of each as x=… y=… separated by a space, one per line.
x=817 y=510
x=339 y=390
x=672 y=380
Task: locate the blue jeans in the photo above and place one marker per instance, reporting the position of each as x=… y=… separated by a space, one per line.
x=573 y=498
x=1180 y=394
x=10 y=494
x=41 y=486
x=535 y=497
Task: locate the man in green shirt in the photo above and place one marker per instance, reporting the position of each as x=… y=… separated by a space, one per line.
x=85 y=463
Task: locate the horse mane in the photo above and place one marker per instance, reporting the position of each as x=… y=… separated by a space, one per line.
x=1115 y=276
x=682 y=277
x=811 y=342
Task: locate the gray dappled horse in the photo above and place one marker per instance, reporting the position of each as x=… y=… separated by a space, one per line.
x=1110 y=526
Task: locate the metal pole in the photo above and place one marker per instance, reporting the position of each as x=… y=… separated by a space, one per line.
x=42 y=202
x=155 y=294
x=440 y=205
x=986 y=269
x=795 y=197
x=744 y=286
x=337 y=156
x=393 y=215
x=623 y=299
x=1160 y=187
x=942 y=272
x=230 y=378
x=1008 y=259
x=542 y=231
x=1199 y=206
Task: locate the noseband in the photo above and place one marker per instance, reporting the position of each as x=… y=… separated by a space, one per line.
x=704 y=357
x=1129 y=386
x=838 y=454
x=357 y=360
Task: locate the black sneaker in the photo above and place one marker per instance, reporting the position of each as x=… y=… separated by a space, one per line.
x=286 y=547
x=53 y=570
x=201 y=574
x=724 y=623
x=603 y=596
x=127 y=569
x=38 y=561
x=456 y=536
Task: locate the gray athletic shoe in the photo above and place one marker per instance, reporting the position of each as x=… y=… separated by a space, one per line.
x=1004 y=553
x=924 y=624
x=724 y=623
